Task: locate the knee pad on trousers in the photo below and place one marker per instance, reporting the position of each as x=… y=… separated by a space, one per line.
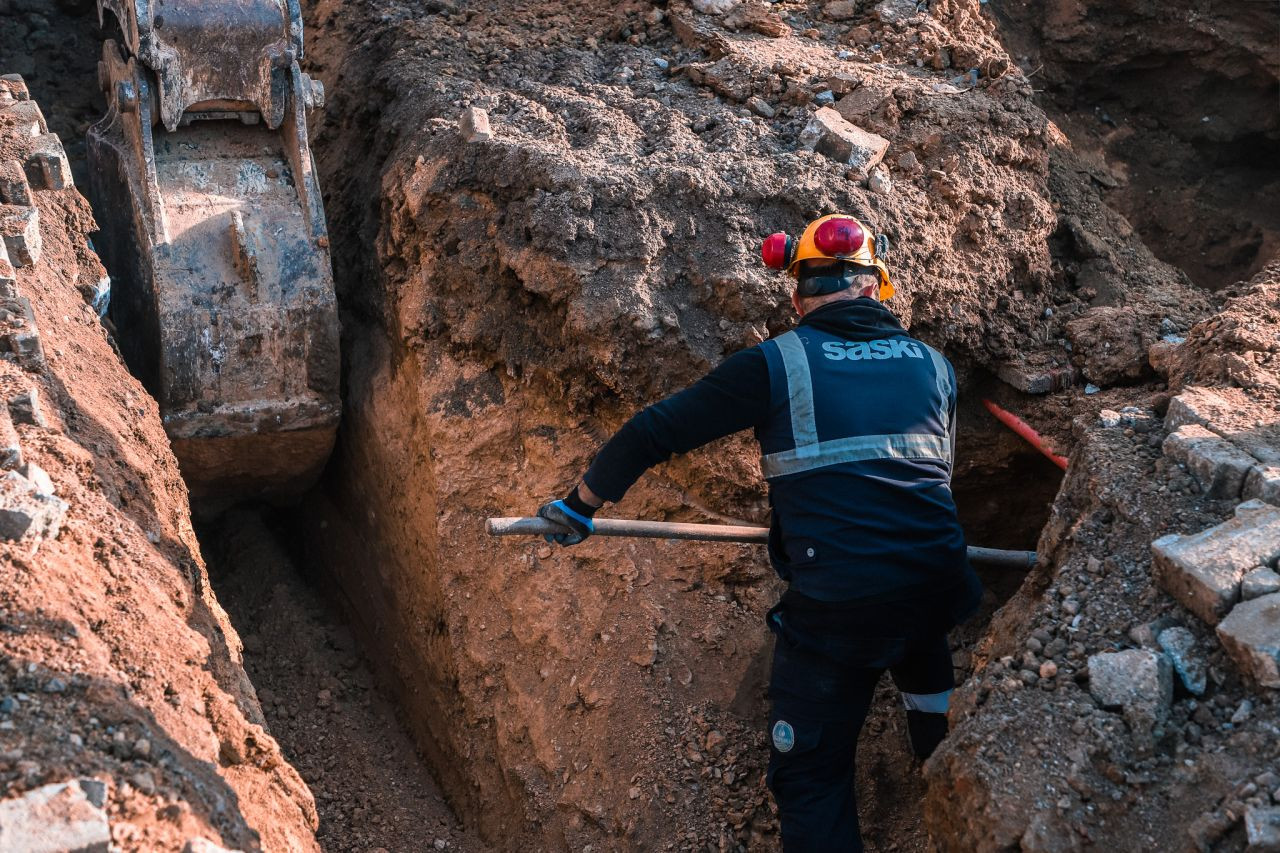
x=926 y=732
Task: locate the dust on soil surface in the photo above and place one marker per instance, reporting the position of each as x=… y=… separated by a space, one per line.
x=321 y=701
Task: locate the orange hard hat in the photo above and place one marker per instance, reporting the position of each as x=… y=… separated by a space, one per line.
x=837 y=237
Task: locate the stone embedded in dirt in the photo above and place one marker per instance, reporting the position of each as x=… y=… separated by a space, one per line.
x=1203 y=571
x=24 y=408
x=714 y=7
x=879 y=182
x=20 y=229
x=62 y=816
x=14 y=188
x=1216 y=464
x=840 y=10
x=830 y=134
x=760 y=107
x=864 y=100
x=842 y=83
x=1035 y=378
x=1138 y=681
x=1262 y=829
x=758 y=18
x=894 y=11
x=1263 y=483
x=1111 y=344
x=1251 y=636
x=1259 y=582
x=1180 y=645
x=25 y=512
x=473 y=125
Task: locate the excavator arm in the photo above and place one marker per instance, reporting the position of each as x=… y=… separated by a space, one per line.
x=214 y=233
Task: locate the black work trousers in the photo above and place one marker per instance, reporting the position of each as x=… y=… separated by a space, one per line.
x=826 y=663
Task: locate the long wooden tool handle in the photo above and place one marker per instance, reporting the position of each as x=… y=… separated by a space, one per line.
x=1022 y=560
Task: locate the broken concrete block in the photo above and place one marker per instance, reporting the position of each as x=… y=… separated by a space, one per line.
x=14 y=188
x=1216 y=464
x=1259 y=582
x=1251 y=636
x=1180 y=645
x=1138 y=681
x=1262 y=483
x=1196 y=406
x=473 y=124
x=1262 y=829
x=25 y=512
x=1203 y=571
x=55 y=818
x=46 y=164
x=20 y=229
x=22 y=338
x=828 y=133
x=22 y=120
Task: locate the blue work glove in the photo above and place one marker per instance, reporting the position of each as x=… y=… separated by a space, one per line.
x=572 y=513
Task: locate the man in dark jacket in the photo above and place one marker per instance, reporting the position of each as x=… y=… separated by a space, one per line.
x=856 y=422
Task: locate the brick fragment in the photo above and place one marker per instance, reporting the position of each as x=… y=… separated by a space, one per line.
x=1196 y=406
x=22 y=120
x=1251 y=636
x=1203 y=571
x=26 y=511
x=1216 y=464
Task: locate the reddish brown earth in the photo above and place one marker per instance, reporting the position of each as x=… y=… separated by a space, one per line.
x=117 y=661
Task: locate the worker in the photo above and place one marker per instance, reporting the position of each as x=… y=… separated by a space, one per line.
x=857 y=425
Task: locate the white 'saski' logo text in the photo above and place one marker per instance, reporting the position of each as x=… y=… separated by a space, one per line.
x=859 y=350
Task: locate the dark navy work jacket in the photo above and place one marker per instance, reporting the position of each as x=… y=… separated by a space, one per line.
x=856 y=423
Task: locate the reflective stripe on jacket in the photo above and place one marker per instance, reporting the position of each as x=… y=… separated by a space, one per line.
x=857 y=450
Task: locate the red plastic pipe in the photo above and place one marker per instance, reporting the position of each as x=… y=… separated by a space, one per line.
x=1021 y=427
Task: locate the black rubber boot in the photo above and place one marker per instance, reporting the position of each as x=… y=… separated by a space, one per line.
x=926 y=732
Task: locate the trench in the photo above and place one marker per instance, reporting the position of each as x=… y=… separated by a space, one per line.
x=335 y=706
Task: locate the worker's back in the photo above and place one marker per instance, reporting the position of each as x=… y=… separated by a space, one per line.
x=857 y=450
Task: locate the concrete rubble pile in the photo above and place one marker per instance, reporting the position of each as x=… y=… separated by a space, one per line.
x=1180 y=639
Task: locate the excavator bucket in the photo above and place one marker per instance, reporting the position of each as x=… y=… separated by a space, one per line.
x=214 y=234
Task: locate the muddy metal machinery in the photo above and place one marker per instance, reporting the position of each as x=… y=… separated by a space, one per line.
x=214 y=233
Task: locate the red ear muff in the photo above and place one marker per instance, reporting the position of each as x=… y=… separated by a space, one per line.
x=777 y=251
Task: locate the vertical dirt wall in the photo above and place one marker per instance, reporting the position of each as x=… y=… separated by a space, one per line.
x=116 y=662
x=509 y=301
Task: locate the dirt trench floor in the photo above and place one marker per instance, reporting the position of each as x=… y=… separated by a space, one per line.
x=334 y=724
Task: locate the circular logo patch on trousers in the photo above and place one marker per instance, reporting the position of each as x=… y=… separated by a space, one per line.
x=784 y=737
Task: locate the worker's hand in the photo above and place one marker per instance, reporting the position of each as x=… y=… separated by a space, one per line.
x=572 y=513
